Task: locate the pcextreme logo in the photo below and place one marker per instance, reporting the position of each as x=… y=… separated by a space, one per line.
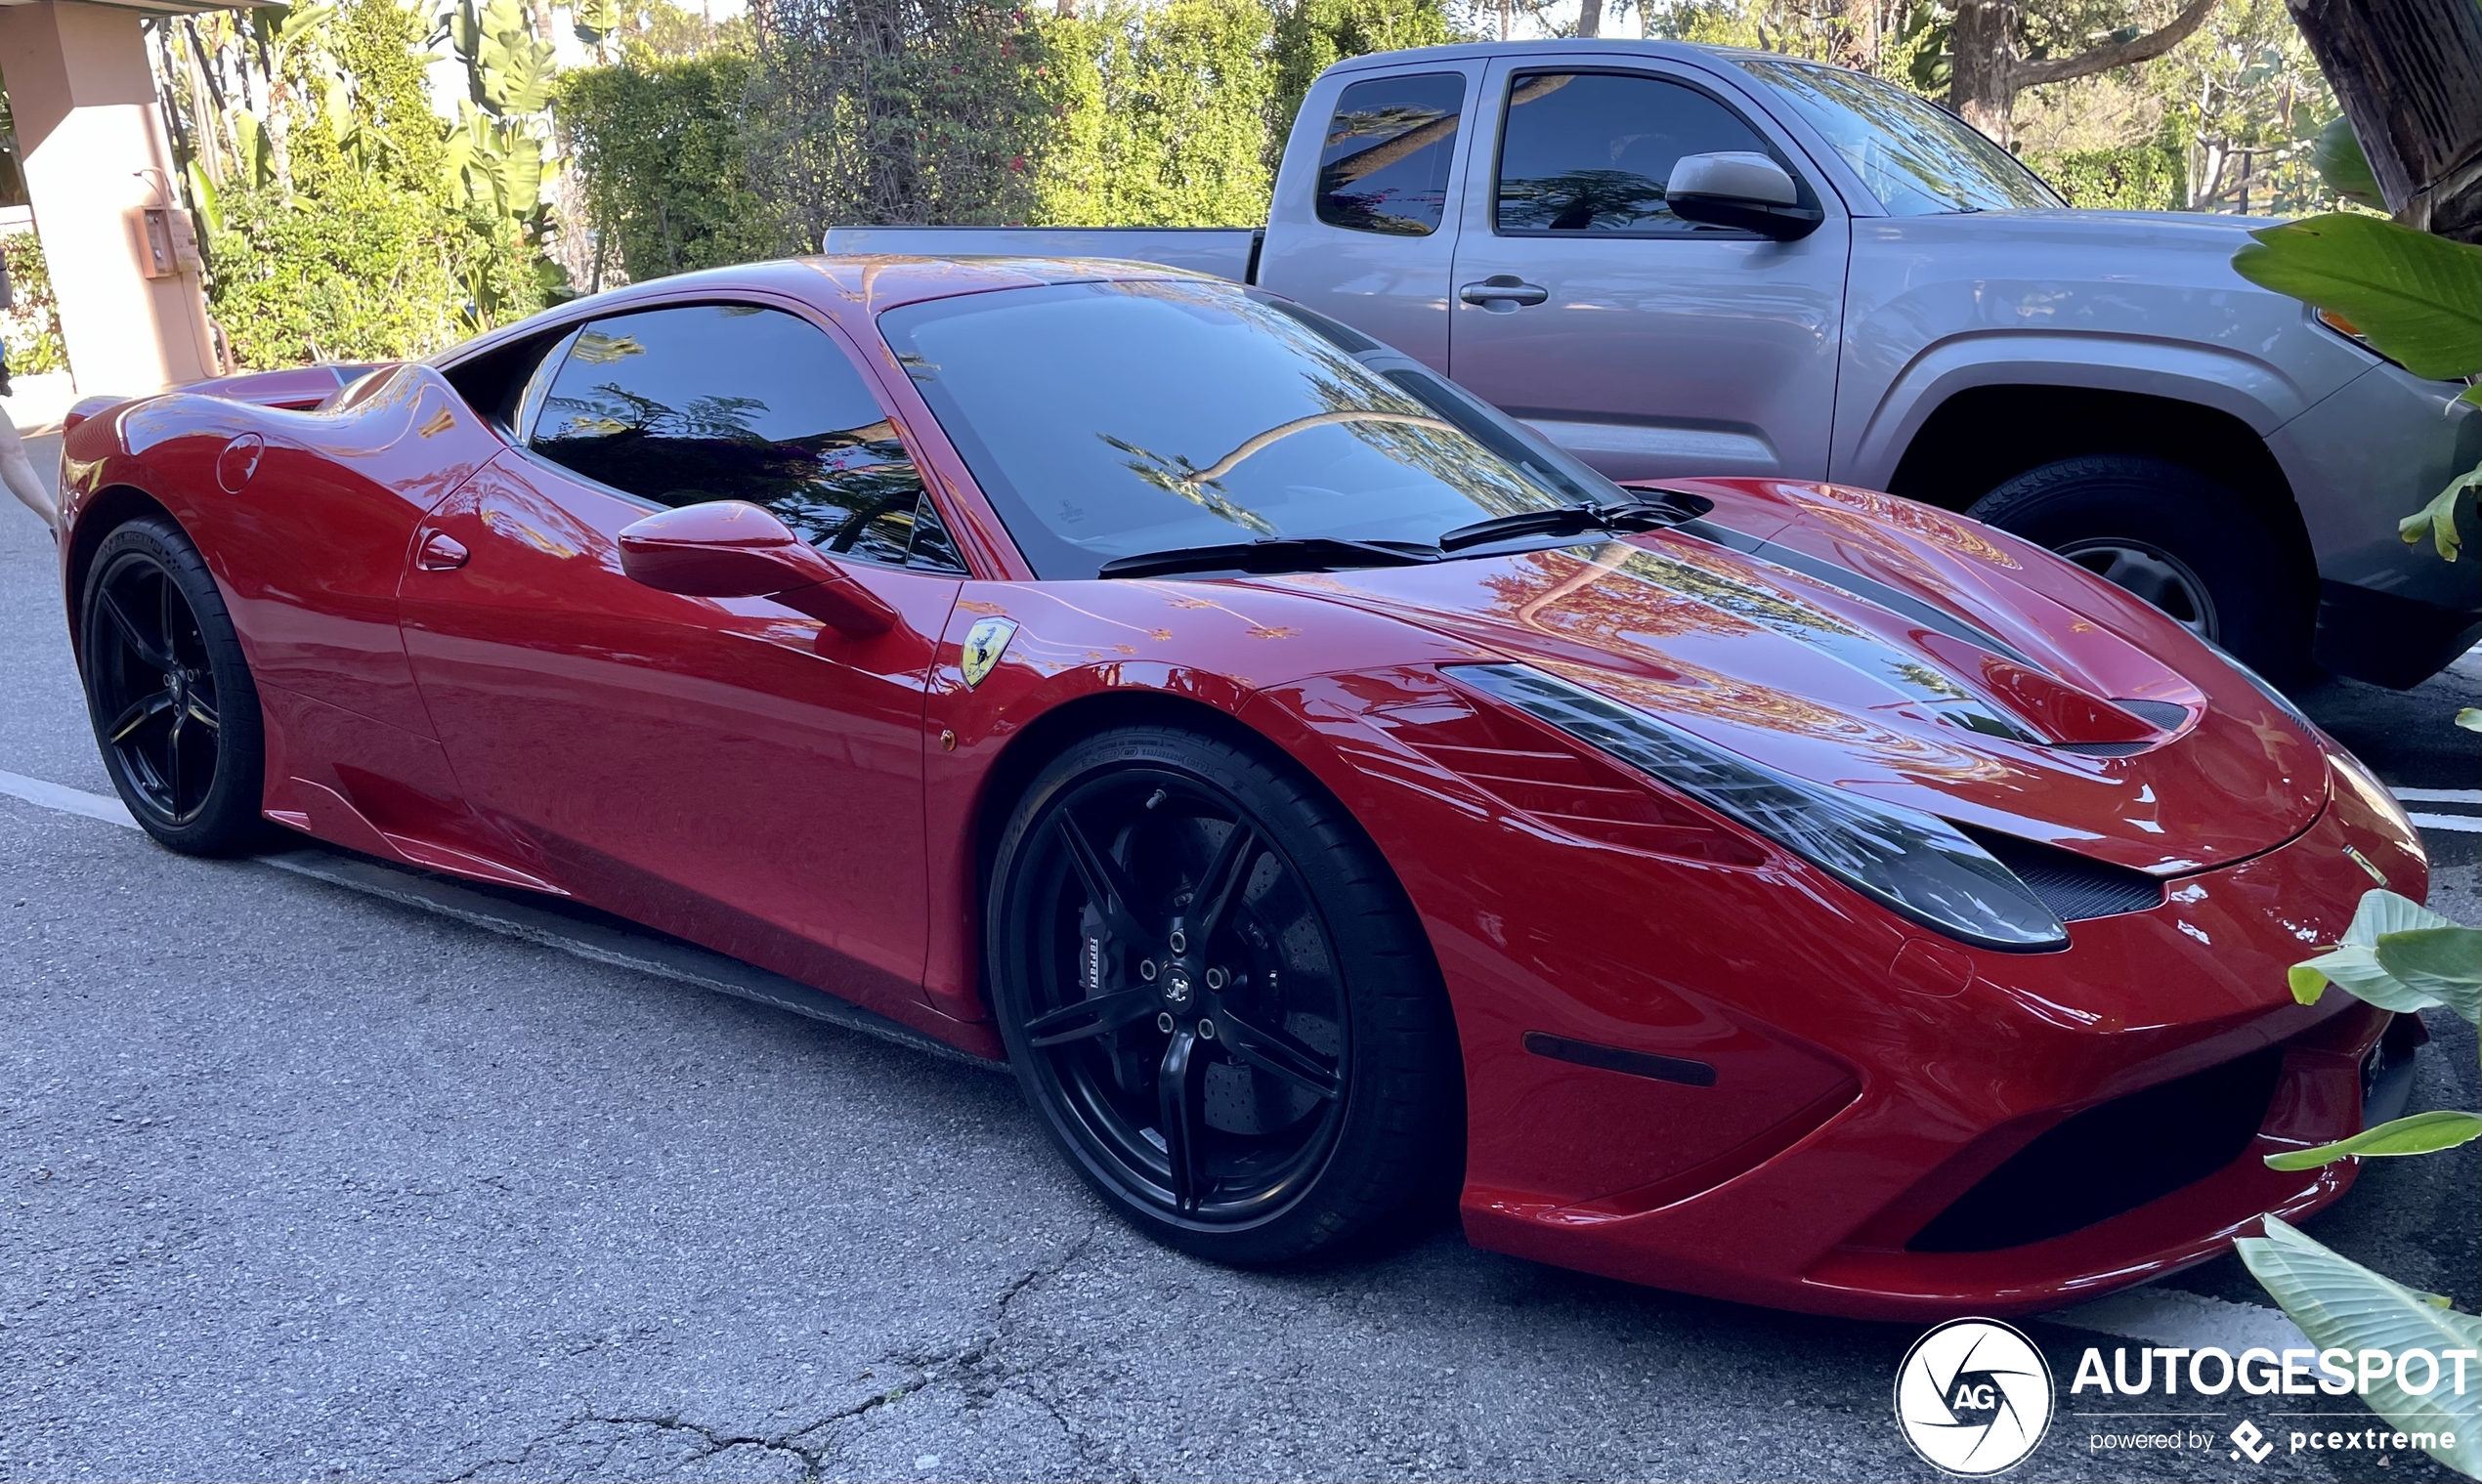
x=1974 y=1397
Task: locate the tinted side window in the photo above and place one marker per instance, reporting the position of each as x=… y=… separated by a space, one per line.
x=1385 y=164
x=726 y=402
x=1590 y=152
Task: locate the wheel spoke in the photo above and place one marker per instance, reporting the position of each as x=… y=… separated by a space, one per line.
x=204 y=715
x=1225 y=878
x=1106 y=884
x=145 y=648
x=166 y=601
x=172 y=763
x=141 y=711
x=1176 y=1091
x=1274 y=1052
x=1089 y=1017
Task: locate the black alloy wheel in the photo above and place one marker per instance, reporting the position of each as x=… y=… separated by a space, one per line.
x=170 y=695
x=1225 y=1014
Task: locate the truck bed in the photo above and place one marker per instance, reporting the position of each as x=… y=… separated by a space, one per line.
x=1223 y=252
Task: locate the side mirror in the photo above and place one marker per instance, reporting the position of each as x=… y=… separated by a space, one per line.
x=1739 y=187
x=734 y=549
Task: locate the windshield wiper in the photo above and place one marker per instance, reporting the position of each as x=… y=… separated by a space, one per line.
x=1273 y=555
x=1561 y=520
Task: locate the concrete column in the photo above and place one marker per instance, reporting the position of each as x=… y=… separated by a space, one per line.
x=92 y=140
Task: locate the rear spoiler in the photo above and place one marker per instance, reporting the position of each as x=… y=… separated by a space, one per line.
x=298 y=387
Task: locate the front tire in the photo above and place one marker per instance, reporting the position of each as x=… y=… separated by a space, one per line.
x=169 y=693
x=2182 y=541
x=1216 y=997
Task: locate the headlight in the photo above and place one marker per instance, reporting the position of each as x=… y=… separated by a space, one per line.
x=1918 y=865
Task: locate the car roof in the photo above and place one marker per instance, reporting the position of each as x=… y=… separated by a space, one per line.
x=852 y=288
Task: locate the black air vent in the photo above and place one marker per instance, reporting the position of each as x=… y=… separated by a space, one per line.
x=2112 y=1158
x=2072 y=886
x=2162 y=715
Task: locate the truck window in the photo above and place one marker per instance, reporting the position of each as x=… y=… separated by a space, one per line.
x=1590 y=152
x=1383 y=166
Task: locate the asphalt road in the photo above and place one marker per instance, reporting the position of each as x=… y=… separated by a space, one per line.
x=297 y=1182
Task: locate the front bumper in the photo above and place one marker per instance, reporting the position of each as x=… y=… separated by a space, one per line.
x=1936 y=1189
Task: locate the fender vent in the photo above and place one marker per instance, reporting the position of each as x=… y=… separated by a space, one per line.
x=2072 y=886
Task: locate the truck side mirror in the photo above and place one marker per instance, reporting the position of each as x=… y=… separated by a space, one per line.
x=1743 y=189
x=734 y=549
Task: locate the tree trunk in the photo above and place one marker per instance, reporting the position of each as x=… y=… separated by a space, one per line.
x=1589 y=18
x=2409 y=73
x=1980 y=85
x=1858 y=44
x=1987 y=75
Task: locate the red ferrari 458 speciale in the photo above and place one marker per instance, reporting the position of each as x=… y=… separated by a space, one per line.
x=1314 y=785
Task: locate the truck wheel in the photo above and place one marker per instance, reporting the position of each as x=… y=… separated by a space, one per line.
x=2172 y=535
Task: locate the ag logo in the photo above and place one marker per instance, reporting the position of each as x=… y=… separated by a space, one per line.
x=985 y=643
x=1974 y=1397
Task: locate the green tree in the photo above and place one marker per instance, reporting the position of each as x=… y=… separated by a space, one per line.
x=370 y=254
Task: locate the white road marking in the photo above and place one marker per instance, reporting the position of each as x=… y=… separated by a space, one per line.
x=2189 y=1321
x=2157 y=1315
x=95 y=806
x=2462 y=823
x=2438 y=796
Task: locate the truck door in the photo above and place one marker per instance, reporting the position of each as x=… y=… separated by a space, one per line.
x=1372 y=239
x=1648 y=345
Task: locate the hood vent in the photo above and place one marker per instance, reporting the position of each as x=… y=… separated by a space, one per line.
x=2074 y=887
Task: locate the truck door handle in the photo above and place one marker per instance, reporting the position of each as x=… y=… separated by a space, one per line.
x=1503 y=294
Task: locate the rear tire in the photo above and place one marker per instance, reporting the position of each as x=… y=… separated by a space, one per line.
x=2172 y=535
x=1270 y=1066
x=169 y=693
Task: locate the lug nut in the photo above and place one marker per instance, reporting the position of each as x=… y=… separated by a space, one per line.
x=1163 y=1021
x=1180 y=941
x=1146 y=969
x=1206 y=1030
x=1215 y=979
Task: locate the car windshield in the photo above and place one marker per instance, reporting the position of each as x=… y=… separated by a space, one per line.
x=1916 y=158
x=1116 y=419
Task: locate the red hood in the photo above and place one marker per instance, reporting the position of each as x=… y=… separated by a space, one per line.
x=1869 y=643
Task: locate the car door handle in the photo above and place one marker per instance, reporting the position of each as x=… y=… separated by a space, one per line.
x=442 y=552
x=1503 y=289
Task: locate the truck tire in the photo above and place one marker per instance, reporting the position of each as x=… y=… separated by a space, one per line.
x=2181 y=540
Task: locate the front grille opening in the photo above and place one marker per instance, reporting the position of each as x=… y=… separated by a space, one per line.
x=2112 y=1158
x=2074 y=886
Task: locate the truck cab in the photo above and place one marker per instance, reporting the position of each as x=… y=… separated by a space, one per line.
x=1905 y=308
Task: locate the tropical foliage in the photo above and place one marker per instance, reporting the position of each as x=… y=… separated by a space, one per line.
x=2400 y=956
x=344 y=217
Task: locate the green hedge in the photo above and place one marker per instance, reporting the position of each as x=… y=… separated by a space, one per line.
x=659 y=145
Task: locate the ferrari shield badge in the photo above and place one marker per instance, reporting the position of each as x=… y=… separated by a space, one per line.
x=985 y=643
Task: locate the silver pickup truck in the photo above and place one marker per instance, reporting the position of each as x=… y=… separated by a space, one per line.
x=1675 y=260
